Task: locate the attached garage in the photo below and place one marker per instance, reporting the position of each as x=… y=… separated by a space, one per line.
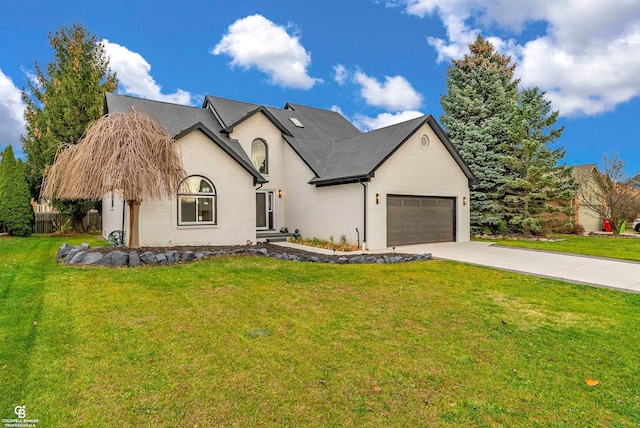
x=420 y=220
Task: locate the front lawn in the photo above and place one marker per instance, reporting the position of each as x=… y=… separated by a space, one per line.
x=600 y=246
x=248 y=341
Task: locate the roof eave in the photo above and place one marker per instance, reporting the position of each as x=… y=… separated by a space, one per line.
x=267 y=113
x=362 y=178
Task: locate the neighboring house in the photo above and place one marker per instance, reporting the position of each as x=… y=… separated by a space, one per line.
x=588 y=175
x=42 y=206
x=254 y=170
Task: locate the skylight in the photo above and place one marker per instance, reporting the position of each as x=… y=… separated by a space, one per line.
x=296 y=122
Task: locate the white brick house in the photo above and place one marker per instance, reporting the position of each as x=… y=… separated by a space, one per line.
x=254 y=170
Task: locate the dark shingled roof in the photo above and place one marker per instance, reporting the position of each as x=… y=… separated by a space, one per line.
x=335 y=150
x=179 y=120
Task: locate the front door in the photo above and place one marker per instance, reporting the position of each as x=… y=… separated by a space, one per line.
x=264 y=210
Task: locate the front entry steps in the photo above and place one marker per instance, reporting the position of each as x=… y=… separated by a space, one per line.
x=272 y=236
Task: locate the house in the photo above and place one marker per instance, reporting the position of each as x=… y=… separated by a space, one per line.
x=589 y=194
x=42 y=206
x=254 y=170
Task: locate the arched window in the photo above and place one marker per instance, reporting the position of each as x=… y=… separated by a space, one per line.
x=196 y=201
x=259 y=156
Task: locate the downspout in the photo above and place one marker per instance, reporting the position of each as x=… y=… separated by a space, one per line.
x=364 y=229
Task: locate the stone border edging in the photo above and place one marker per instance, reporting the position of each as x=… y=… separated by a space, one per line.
x=81 y=255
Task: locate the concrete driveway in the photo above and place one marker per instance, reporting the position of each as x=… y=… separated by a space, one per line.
x=597 y=271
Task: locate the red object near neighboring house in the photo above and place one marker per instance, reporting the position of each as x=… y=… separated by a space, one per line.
x=606 y=225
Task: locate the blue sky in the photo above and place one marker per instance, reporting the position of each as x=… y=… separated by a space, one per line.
x=375 y=61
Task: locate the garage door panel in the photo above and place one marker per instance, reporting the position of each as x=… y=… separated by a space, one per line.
x=417 y=220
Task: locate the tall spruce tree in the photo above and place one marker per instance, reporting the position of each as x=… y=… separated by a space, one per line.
x=537 y=188
x=16 y=213
x=62 y=102
x=478 y=111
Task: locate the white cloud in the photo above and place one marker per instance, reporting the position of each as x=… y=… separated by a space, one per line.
x=255 y=41
x=133 y=73
x=11 y=112
x=337 y=109
x=340 y=74
x=586 y=60
x=396 y=93
x=366 y=123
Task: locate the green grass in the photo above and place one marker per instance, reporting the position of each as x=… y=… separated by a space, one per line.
x=600 y=246
x=242 y=341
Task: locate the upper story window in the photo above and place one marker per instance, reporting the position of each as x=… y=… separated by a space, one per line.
x=259 y=156
x=196 y=201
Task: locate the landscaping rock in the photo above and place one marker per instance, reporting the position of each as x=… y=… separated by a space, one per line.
x=152 y=256
x=63 y=251
x=161 y=258
x=148 y=258
x=77 y=257
x=358 y=260
x=91 y=258
x=188 y=256
x=71 y=254
x=115 y=259
x=134 y=258
x=172 y=256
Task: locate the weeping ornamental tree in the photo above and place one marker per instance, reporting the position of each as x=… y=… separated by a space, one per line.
x=128 y=153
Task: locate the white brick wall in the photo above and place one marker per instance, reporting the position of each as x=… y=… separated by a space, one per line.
x=258 y=126
x=235 y=201
x=413 y=171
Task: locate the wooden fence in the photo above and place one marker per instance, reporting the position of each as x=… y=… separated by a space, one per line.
x=56 y=222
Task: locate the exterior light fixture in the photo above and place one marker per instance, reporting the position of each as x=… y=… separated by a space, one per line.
x=377 y=198
x=279 y=193
x=464 y=200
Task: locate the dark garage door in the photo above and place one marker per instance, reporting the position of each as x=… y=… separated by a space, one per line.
x=418 y=220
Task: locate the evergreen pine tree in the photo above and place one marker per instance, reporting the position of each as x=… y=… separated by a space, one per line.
x=537 y=184
x=15 y=208
x=478 y=111
x=63 y=102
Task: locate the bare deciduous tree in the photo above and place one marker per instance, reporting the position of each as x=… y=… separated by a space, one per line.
x=612 y=196
x=130 y=153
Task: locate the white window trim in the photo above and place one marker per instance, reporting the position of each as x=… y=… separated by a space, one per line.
x=213 y=195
